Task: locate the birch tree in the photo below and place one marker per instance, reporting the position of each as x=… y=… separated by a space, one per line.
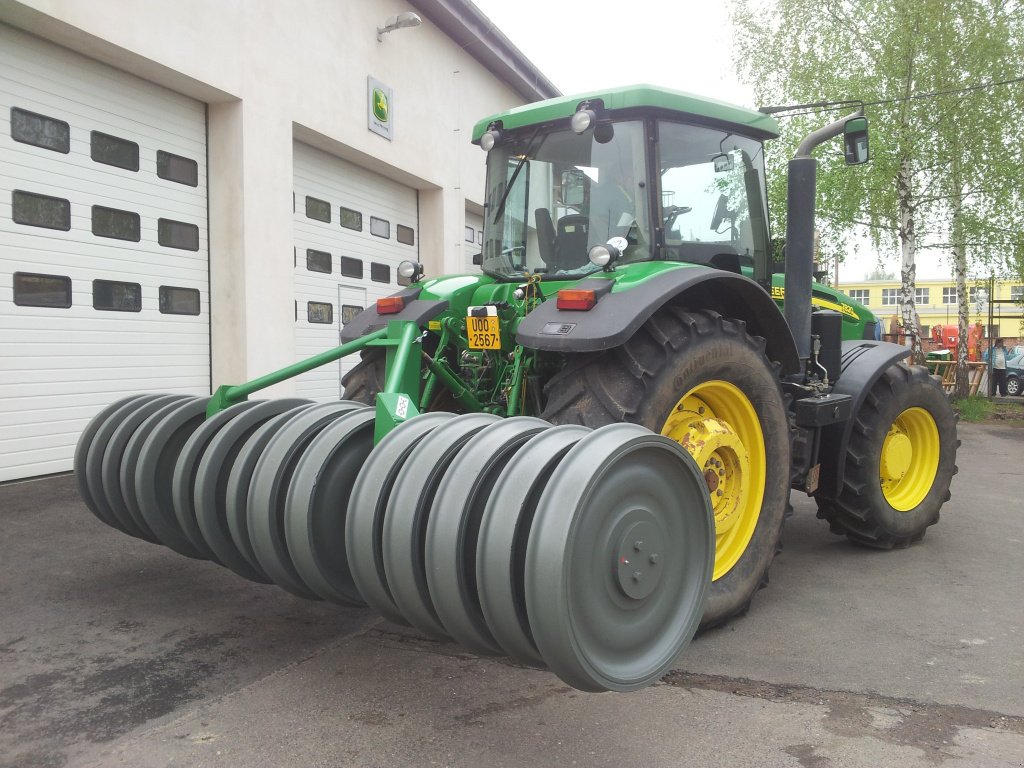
x=900 y=57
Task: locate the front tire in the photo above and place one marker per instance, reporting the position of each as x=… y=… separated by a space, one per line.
x=704 y=381
x=899 y=462
x=1013 y=386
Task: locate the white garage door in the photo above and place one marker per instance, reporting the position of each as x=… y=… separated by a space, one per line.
x=474 y=240
x=103 y=247
x=352 y=228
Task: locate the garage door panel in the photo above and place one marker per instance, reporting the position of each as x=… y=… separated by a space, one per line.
x=121 y=197
x=158 y=381
x=80 y=365
x=342 y=184
x=30 y=424
x=46 y=462
x=128 y=195
x=95 y=93
x=59 y=366
x=88 y=259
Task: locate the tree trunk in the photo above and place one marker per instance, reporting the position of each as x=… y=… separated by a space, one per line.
x=908 y=254
x=956 y=202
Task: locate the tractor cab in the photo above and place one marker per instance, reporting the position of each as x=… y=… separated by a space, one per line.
x=601 y=188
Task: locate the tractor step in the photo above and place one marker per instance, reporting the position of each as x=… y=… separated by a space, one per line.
x=588 y=552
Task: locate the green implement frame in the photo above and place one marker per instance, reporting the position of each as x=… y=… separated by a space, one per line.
x=400 y=398
x=397 y=403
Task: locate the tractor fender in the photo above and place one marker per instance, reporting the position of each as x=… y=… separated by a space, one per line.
x=863 y=363
x=417 y=310
x=617 y=315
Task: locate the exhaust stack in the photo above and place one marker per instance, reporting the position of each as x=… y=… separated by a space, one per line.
x=801 y=194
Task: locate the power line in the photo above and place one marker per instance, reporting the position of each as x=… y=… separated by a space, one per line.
x=832 y=106
x=949 y=92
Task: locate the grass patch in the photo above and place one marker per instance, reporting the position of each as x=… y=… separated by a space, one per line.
x=974 y=408
x=978 y=408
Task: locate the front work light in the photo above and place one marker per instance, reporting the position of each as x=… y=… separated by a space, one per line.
x=603 y=255
x=410 y=270
x=582 y=120
x=600 y=256
x=489 y=139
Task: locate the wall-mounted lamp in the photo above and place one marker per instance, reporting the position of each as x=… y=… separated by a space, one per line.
x=402 y=20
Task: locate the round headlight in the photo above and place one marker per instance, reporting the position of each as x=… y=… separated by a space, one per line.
x=410 y=270
x=600 y=255
x=582 y=120
x=489 y=139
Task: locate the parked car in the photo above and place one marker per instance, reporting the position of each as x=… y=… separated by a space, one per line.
x=1015 y=376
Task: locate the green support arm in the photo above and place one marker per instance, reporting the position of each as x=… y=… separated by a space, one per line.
x=230 y=394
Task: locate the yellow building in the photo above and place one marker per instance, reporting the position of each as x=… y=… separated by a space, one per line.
x=936 y=302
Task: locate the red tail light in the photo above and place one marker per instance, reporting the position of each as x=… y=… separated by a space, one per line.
x=390 y=305
x=576 y=298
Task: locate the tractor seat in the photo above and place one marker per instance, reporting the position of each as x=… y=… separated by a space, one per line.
x=564 y=247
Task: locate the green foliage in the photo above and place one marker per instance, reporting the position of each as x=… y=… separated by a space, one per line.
x=960 y=148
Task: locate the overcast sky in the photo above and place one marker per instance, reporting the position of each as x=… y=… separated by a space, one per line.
x=685 y=45
x=586 y=45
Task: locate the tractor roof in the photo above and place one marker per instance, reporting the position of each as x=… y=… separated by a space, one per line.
x=650 y=97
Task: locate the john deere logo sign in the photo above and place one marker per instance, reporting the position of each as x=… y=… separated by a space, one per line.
x=379 y=112
x=380 y=105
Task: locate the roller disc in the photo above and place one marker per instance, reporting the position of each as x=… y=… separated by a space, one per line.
x=269 y=489
x=504 y=532
x=155 y=471
x=136 y=434
x=619 y=559
x=85 y=441
x=93 y=464
x=454 y=525
x=187 y=468
x=316 y=503
x=211 y=485
x=405 y=522
x=236 y=498
x=113 y=458
x=364 y=523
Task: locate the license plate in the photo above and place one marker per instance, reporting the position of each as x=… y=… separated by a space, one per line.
x=482 y=330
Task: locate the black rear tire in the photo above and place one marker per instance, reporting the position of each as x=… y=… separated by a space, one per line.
x=644 y=380
x=863 y=512
x=366 y=379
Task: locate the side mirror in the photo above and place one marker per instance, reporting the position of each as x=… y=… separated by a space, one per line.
x=478 y=259
x=723 y=163
x=855 y=141
x=574 y=188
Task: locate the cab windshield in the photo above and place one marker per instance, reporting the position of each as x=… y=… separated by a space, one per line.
x=552 y=195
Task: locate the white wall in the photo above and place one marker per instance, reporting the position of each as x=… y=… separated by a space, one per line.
x=273 y=71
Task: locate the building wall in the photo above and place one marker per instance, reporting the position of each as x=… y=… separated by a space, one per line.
x=936 y=311
x=273 y=72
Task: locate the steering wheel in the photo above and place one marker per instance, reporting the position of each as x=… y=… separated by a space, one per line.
x=721 y=212
x=673 y=212
x=509 y=255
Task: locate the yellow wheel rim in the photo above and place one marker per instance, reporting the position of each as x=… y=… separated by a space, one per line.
x=909 y=460
x=719 y=427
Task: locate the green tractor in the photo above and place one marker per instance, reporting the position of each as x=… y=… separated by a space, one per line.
x=584 y=453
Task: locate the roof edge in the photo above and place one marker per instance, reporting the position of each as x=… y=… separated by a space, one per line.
x=480 y=37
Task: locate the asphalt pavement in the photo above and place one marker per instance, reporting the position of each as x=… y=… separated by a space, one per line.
x=114 y=652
